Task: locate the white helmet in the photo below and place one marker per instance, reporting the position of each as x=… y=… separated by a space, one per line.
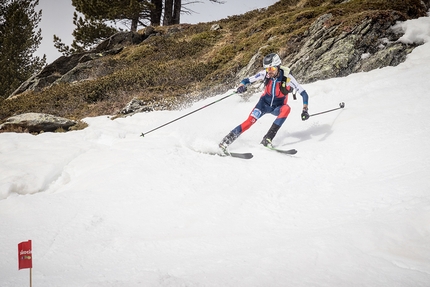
x=271 y=60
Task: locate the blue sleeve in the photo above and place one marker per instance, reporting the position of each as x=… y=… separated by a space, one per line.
x=305 y=97
x=245 y=81
x=293 y=82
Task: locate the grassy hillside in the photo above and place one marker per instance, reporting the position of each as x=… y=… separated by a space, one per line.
x=187 y=62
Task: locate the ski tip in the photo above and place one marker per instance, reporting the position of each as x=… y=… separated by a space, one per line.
x=289 y=151
x=246 y=155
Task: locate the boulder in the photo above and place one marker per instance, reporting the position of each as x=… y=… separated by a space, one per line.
x=136 y=106
x=37 y=122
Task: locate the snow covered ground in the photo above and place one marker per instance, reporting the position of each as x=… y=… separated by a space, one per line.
x=105 y=207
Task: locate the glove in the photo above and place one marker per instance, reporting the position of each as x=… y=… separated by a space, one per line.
x=305 y=115
x=241 y=89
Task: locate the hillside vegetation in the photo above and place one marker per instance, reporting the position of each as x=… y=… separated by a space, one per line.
x=187 y=62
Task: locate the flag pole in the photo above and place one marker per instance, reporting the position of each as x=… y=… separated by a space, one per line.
x=25 y=260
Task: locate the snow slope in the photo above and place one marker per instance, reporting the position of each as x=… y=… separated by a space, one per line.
x=105 y=207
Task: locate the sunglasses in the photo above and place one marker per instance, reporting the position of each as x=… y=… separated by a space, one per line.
x=271 y=69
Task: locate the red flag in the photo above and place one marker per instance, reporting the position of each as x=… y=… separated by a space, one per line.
x=24 y=255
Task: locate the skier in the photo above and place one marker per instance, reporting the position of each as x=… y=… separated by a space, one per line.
x=278 y=82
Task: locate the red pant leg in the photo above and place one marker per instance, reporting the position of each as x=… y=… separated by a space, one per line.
x=248 y=123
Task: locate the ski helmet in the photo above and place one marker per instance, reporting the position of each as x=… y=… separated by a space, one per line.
x=271 y=60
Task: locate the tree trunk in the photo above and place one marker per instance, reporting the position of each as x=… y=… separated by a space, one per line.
x=156 y=12
x=134 y=23
x=177 y=12
x=168 y=12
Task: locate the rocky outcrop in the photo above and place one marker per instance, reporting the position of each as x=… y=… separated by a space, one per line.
x=82 y=66
x=37 y=122
x=328 y=51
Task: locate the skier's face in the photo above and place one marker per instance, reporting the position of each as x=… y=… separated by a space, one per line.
x=272 y=71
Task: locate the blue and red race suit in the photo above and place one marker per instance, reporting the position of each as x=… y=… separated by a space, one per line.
x=274 y=98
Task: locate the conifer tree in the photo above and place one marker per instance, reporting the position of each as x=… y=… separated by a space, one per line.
x=128 y=12
x=88 y=33
x=98 y=16
x=19 y=39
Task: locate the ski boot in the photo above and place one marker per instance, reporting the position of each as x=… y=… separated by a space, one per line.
x=267 y=142
x=267 y=139
x=227 y=140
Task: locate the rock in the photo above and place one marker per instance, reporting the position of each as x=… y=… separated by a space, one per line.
x=38 y=122
x=136 y=106
x=149 y=31
x=328 y=51
x=49 y=74
x=253 y=64
x=85 y=71
x=119 y=40
x=389 y=56
x=80 y=66
x=215 y=27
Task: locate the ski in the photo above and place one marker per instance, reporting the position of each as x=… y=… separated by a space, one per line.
x=246 y=155
x=285 y=151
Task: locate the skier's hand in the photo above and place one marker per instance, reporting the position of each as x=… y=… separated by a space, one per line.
x=305 y=115
x=241 y=89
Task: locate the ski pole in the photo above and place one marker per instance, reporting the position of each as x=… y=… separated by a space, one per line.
x=143 y=134
x=341 y=106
